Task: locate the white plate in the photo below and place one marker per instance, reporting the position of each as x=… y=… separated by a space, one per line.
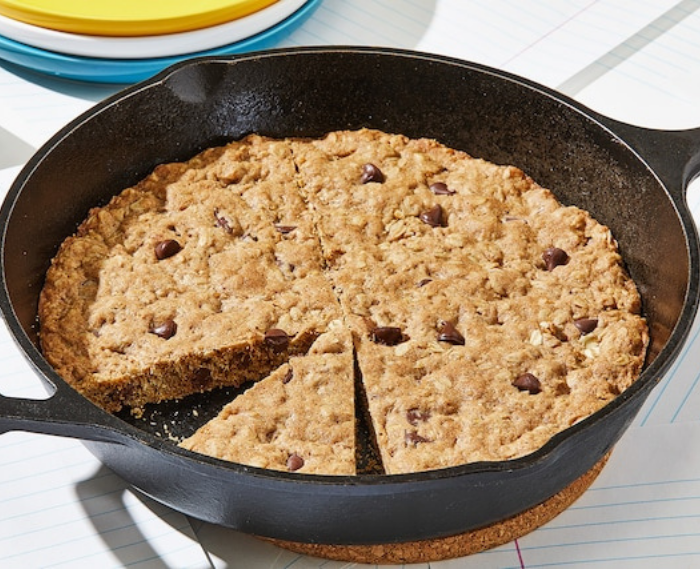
x=104 y=70
x=143 y=47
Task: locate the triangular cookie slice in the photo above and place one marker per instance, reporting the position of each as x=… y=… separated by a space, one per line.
x=301 y=418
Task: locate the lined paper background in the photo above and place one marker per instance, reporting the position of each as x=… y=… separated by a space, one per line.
x=60 y=508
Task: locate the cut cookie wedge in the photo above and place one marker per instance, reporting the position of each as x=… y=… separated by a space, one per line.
x=190 y=280
x=300 y=418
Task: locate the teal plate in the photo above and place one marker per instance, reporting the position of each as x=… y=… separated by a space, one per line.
x=98 y=70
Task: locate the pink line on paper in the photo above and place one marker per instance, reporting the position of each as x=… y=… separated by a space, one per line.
x=520 y=555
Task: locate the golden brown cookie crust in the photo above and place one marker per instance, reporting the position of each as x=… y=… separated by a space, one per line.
x=472 y=296
x=235 y=275
x=485 y=315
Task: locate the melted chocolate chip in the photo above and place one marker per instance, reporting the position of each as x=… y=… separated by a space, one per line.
x=586 y=325
x=450 y=334
x=294 y=462
x=370 y=173
x=441 y=189
x=413 y=438
x=387 y=335
x=201 y=379
x=553 y=257
x=423 y=282
x=167 y=248
x=167 y=329
x=284 y=229
x=433 y=217
x=288 y=376
x=276 y=339
x=528 y=382
x=414 y=416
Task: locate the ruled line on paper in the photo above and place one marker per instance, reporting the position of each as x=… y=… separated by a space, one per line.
x=655 y=86
x=76 y=513
x=549 y=33
x=520 y=554
x=623 y=51
x=668 y=403
x=440 y=27
x=645 y=505
x=59 y=507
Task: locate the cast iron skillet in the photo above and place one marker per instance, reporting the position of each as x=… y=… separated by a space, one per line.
x=632 y=179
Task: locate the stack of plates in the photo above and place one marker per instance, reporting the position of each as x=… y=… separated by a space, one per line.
x=129 y=40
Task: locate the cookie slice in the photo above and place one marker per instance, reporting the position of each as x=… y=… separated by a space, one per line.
x=301 y=418
x=185 y=282
x=442 y=405
x=466 y=285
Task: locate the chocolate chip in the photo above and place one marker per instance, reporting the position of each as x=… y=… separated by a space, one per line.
x=553 y=257
x=586 y=325
x=222 y=222
x=166 y=329
x=423 y=282
x=413 y=438
x=288 y=376
x=433 y=217
x=294 y=462
x=387 y=335
x=450 y=334
x=167 y=248
x=277 y=339
x=370 y=173
x=284 y=229
x=528 y=382
x=413 y=416
x=441 y=189
x=201 y=378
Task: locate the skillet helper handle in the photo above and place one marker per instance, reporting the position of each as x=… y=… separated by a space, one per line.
x=61 y=414
x=674 y=155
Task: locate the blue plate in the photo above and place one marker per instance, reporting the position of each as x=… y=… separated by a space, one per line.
x=99 y=70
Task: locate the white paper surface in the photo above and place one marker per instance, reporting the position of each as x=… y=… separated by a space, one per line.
x=543 y=40
x=656 y=86
x=643 y=511
x=60 y=508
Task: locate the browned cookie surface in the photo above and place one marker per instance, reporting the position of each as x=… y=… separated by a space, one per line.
x=485 y=316
x=301 y=418
x=488 y=317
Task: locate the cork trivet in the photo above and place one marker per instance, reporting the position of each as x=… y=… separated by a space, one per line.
x=459 y=545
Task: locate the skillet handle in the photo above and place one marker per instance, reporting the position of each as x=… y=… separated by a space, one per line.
x=674 y=155
x=65 y=413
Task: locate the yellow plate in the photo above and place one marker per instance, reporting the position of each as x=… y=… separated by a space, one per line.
x=128 y=17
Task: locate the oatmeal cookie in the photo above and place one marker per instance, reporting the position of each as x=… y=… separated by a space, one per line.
x=485 y=316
